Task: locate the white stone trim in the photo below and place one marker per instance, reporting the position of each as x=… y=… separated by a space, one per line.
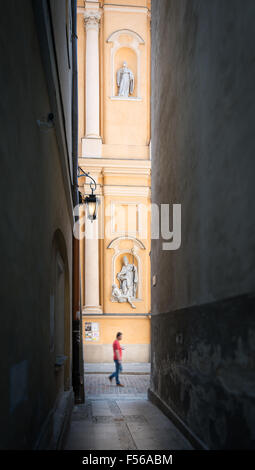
x=114 y=243
x=92 y=20
x=124 y=203
x=105 y=164
x=124 y=98
x=125 y=9
x=127 y=171
x=135 y=191
x=92 y=310
x=91 y=267
x=115 y=35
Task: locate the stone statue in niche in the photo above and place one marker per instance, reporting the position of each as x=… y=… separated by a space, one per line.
x=128 y=279
x=125 y=81
x=118 y=295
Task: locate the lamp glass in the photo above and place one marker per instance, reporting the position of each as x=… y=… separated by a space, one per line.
x=92 y=204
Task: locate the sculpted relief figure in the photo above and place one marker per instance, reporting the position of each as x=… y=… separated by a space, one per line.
x=118 y=295
x=125 y=81
x=128 y=279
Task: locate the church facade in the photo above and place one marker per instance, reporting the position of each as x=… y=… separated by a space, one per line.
x=114 y=148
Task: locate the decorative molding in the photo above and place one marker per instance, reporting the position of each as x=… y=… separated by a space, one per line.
x=89 y=309
x=125 y=9
x=136 y=191
x=134 y=45
x=115 y=36
x=105 y=163
x=126 y=171
x=86 y=190
x=125 y=98
x=80 y=10
x=124 y=203
x=92 y=19
x=114 y=243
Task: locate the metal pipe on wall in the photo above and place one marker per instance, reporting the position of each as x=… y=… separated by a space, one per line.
x=77 y=371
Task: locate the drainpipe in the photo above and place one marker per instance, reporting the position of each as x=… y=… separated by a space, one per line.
x=77 y=370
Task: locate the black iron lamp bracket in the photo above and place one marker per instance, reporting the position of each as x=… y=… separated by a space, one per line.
x=93 y=185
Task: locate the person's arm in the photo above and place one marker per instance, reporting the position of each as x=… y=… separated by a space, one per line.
x=118 y=355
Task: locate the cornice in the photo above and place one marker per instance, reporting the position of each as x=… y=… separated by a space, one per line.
x=125 y=8
x=106 y=165
x=135 y=191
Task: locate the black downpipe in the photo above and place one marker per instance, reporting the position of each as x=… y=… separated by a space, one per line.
x=78 y=370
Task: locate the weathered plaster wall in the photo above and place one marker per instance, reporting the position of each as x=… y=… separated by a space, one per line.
x=203 y=146
x=203 y=369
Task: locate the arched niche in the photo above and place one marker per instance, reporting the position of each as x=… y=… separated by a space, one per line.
x=125 y=54
x=125 y=47
x=133 y=255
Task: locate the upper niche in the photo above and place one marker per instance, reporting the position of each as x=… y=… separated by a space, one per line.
x=126 y=48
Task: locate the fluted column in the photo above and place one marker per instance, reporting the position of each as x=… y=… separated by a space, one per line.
x=92 y=142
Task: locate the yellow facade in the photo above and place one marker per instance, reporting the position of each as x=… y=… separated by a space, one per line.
x=116 y=153
x=136 y=338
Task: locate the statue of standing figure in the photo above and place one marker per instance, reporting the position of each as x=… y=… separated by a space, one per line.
x=128 y=279
x=125 y=81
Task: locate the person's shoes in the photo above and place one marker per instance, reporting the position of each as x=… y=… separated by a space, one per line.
x=120 y=385
x=110 y=378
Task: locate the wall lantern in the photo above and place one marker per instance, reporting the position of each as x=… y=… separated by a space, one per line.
x=91 y=201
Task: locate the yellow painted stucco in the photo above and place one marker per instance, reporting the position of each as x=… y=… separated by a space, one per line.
x=122 y=169
x=135 y=330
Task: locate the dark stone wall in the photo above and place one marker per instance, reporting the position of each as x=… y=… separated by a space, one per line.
x=203 y=147
x=34 y=207
x=203 y=369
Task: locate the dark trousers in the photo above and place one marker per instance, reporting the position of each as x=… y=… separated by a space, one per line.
x=118 y=369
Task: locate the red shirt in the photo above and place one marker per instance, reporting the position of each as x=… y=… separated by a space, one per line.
x=116 y=346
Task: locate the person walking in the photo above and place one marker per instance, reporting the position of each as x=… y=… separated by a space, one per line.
x=117 y=357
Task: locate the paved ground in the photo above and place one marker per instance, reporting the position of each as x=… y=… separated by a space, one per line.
x=135 y=386
x=116 y=418
x=128 y=367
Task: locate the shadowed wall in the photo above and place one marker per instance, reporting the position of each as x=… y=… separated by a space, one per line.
x=203 y=145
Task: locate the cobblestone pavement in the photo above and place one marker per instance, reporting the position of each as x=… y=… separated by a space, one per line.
x=114 y=418
x=99 y=384
x=134 y=368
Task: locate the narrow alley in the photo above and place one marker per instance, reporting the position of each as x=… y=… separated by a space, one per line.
x=116 y=418
x=127 y=236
